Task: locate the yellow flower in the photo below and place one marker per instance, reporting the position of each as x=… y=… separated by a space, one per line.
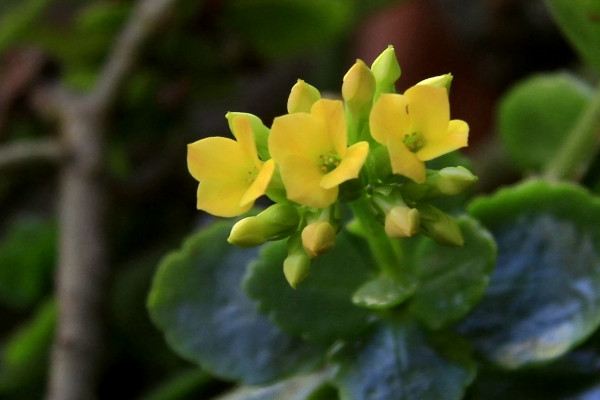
x=416 y=127
x=312 y=154
x=230 y=173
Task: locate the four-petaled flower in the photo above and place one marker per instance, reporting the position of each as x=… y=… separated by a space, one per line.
x=230 y=173
x=312 y=154
x=416 y=127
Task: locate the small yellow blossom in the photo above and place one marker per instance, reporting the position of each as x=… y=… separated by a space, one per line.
x=312 y=154
x=416 y=127
x=230 y=173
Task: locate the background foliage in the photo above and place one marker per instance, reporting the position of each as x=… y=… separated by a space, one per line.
x=209 y=57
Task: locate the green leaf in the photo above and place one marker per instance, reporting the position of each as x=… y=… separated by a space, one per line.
x=276 y=28
x=384 y=292
x=197 y=301
x=25 y=353
x=452 y=279
x=27 y=258
x=296 y=388
x=580 y=21
x=536 y=115
x=544 y=295
x=397 y=362
x=320 y=308
x=15 y=21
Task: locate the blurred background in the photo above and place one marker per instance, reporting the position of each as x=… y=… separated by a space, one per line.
x=203 y=59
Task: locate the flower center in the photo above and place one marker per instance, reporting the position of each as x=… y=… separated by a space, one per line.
x=329 y=161
x=414 y=141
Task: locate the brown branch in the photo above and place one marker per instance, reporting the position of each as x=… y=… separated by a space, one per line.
x=83 y=268
x=25 y=152
x=127 y=50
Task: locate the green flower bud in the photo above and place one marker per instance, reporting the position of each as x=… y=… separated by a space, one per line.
x=445 y=182
x=296 y=268
x=454 y=180
x=259 y=130
x=402 y=222
x=276 y=222
x=358 y=88
x=302 y=97
x=438 y=81
x=386 y=70
x=318 y=238
x=440 y=226
x=248 y=232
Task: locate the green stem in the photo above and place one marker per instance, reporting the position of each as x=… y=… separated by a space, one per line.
x=580 y=146
x=388 y=255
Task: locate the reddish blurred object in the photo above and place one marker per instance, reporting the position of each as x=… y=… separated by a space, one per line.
x=486 y=45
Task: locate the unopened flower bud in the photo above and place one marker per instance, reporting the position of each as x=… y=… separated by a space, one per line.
x=274 y=223
x=454 y=180
x=402 y=222
x=358 y=87
x=443 y=81
x=440 y=226
x=318 y=238
x=302 y=97
x=296 y=268
x=386 y=70
x=448 y=181
x=247 y=232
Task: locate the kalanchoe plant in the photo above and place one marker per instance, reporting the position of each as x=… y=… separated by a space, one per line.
x=367 y=278
x=349 y=185
x=325 y=152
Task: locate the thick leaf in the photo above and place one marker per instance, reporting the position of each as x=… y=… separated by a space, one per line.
x=320 y=308
x=452 y=279
x=544 y=294
x=197 y=301
x=397 y=362
x=535 y=116
x=297 y=388
x=27 y=257
x=384 y=292
x=580 y=21
x=281 y=28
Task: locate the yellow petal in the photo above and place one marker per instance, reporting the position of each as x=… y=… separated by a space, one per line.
x=331 y=113
x=211 y=158
x=221 y=198
x=389 y=117
x=456 y=137
x=298 y=134
x=302 y=177
x=349 y=167
x=260 y=184
x=429 y=111
x=242 y=130
x=404 y=162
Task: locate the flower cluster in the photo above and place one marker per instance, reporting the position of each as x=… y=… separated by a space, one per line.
x=371 y=145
